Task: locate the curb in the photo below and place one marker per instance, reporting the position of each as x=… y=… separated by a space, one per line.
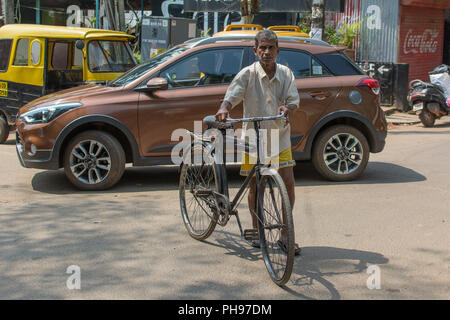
x=389 y=110
x=400 y=120
x=395 y=116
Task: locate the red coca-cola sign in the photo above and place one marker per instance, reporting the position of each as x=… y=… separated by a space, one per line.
x=420 y=42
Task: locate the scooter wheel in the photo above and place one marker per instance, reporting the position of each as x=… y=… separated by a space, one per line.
x=427 y=118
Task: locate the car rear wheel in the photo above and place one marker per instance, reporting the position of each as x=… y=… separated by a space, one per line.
x=94 y=160
x=341 y=153
x=4 y=130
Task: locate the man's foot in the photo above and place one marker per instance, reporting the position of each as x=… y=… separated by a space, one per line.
x=256 y=244
x=283 y=247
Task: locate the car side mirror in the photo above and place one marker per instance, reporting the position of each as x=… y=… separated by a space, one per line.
x=79 y=44
x=157 y=84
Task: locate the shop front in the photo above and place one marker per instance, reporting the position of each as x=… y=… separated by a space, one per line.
x=423 y=38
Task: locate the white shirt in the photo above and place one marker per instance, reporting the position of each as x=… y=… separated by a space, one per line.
x=263 y=96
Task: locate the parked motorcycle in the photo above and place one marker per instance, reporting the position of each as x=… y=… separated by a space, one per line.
x=431 y=100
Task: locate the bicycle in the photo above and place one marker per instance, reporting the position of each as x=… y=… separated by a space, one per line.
x=204 y=200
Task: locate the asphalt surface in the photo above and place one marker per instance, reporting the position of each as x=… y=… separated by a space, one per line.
x=130 y=242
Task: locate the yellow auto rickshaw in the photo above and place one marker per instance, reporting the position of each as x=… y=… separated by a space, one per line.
x=36 y=60
x=288 y=31
x=253 y=29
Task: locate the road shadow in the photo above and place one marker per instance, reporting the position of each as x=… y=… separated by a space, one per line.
x=318 y=265
x=134 y=179
x=375 y=173
x=313 y=269
x=159 y=178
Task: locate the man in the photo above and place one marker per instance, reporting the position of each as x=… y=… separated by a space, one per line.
x=267 y=89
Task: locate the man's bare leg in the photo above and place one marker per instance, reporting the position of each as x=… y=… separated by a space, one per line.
x=287 y=174
x=252 y=202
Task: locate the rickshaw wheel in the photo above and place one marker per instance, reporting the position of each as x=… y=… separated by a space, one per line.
x=4 y=130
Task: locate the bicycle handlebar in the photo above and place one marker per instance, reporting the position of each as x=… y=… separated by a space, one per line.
x=211 y=121
x=230 y=120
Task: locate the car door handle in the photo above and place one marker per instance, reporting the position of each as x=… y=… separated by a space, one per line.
x=320 y=95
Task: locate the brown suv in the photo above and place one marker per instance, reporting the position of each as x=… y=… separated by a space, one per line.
x=93 y=130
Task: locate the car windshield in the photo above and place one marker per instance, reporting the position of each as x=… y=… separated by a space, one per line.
x=109 y=56
x=141 y=69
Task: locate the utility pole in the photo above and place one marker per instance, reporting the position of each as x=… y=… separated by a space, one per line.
x=248 y=10
x=8 y=11
x=121 y=15
x=318 y=19
x=115 y=13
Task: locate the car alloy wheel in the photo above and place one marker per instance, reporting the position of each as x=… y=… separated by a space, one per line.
x=90 y=161
x=341 y=153
x=94 y=160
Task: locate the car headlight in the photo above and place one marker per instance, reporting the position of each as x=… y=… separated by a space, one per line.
x=48 y=113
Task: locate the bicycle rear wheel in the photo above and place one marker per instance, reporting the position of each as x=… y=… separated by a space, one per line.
x=276 y=228
x=198 y=207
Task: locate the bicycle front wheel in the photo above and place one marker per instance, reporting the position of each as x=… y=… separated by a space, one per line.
x=198 y=207
x=276 y=228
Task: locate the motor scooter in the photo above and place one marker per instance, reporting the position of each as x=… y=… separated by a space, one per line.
x=429 y=100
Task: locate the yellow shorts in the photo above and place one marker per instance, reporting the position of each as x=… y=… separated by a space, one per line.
x=283 y=160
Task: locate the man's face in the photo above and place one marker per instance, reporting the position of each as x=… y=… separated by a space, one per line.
x=267 y=52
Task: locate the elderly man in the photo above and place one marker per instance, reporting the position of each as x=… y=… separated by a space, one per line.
x=267 y=89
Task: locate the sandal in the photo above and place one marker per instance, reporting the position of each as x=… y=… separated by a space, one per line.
x=283 y=247
x=256 y=244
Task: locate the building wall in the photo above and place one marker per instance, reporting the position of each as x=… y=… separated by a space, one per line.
x=378 y=38
x=437 y=4
x=421 y=39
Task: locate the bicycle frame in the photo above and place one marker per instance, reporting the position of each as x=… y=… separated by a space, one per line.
x=256 y=171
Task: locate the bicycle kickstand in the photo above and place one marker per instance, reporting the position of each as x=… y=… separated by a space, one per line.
x=235 y=213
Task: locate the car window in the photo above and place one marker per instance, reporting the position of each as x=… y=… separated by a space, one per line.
x=317 y=70
x=5 y=51
x=141 y=69
x=78 y=59
x=211 y=67
x=339 y=64
x=60 y=55
x=302 y=64
x=21 y=57
x=35 y=52
x=109 y=56
x=96 y=57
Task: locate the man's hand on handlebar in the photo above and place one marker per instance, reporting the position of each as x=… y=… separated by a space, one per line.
x=223 y=113
x=287 y=110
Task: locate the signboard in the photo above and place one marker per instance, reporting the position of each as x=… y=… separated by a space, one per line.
x=264 y=5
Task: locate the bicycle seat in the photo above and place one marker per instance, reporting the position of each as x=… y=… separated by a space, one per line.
x=211 y=122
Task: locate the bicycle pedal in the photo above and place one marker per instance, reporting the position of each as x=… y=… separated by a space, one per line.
x=251 y=234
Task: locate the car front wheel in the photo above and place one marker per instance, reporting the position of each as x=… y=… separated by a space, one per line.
x=94 y=160
x=341 y=153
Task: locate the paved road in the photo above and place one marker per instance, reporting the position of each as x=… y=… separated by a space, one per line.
x=130 y=243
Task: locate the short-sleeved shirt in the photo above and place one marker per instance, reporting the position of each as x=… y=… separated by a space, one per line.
x=263 y=96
